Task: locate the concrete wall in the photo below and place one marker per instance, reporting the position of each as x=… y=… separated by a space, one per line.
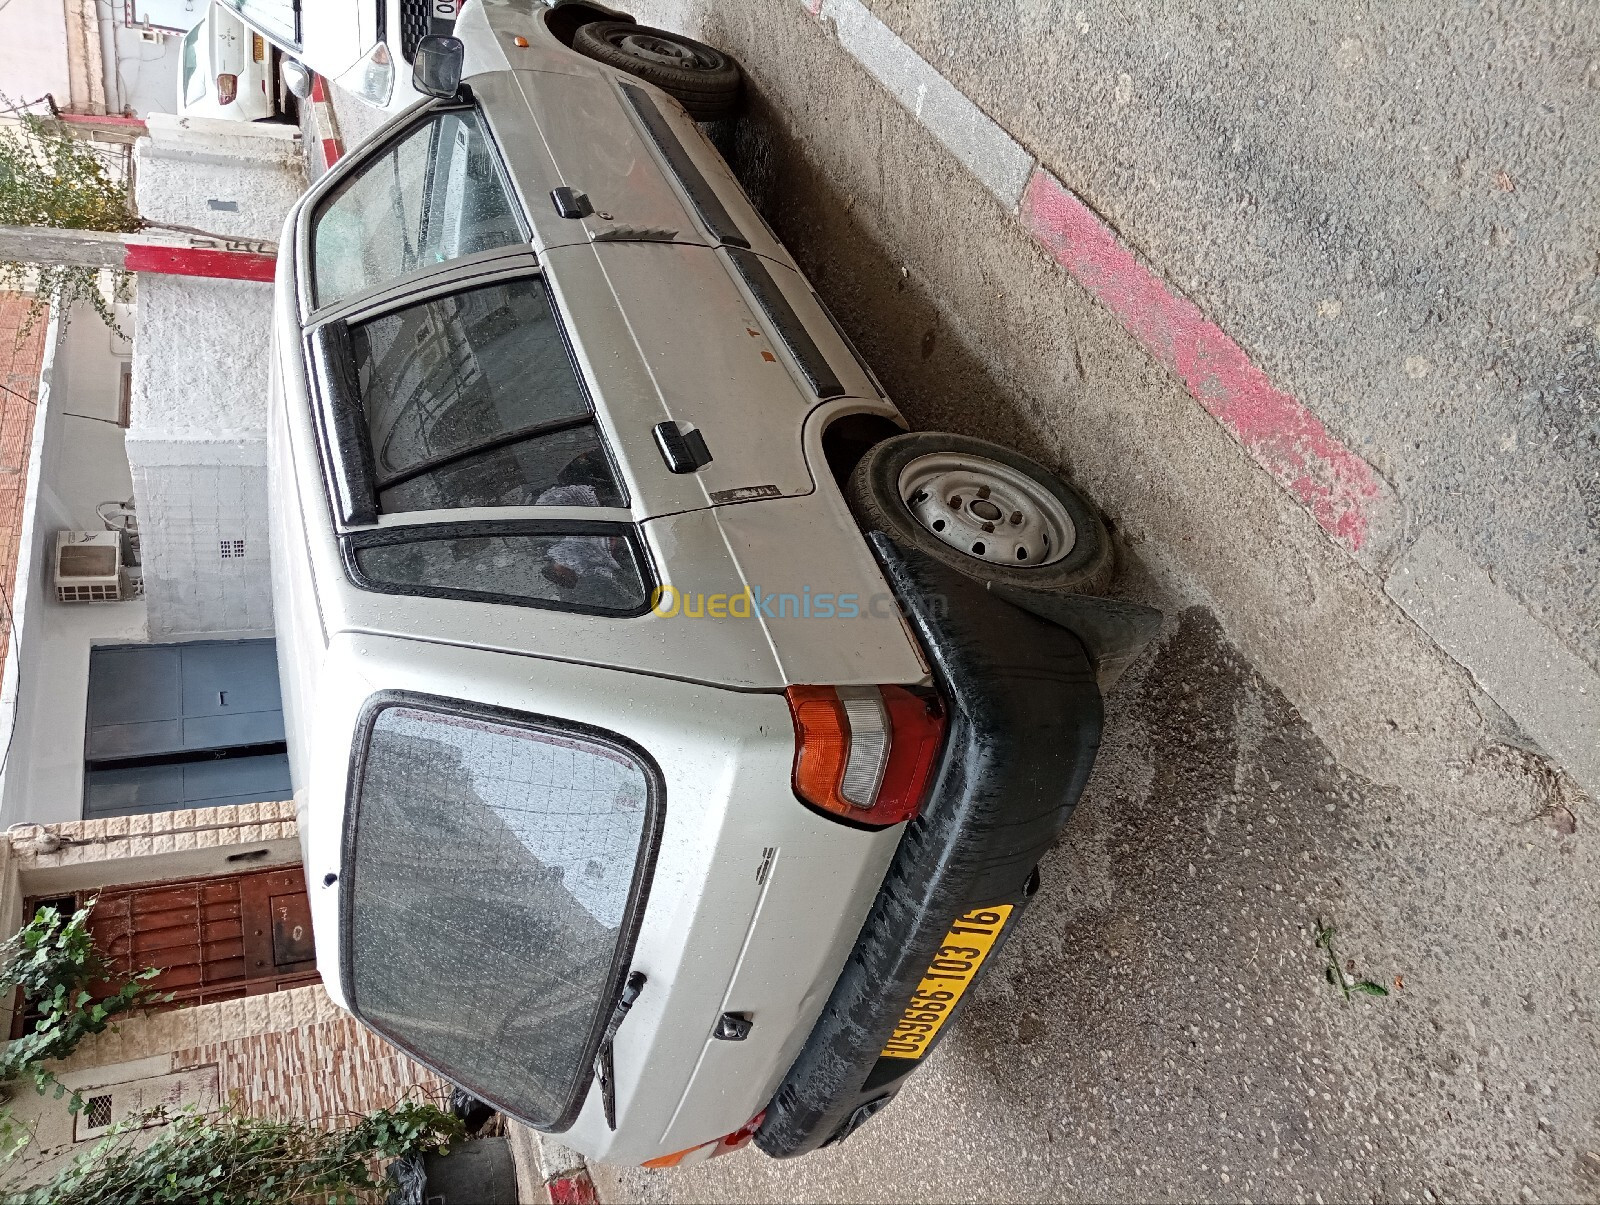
x=170 y=14
x=205 y=498
x=77 y=460
x=33 y=51
x=141 y=76
x=197 y=444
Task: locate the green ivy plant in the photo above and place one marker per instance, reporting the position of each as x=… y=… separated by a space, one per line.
x=54 y=961
x=49 y=178
x=236 y=1159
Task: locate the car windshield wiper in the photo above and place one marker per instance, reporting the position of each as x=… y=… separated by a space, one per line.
x=604 y=1072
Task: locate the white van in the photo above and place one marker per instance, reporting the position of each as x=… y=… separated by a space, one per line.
x=226 y=70
x=675 y=736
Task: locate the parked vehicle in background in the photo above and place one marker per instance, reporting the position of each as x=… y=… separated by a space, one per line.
x=675 y=736
x=226 y=70
x=362 y=46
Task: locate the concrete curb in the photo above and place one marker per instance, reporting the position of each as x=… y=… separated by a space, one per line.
x=1342 y=492
x=1553 y=695
x=548 y=1171
x=1455 y=602
x=325 y=123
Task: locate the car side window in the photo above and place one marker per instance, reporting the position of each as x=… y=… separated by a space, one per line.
x=595 y=568
x=473 y=399
x=433 y=195
x=194 y=84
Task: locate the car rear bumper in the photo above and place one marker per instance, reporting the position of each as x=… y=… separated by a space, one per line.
x=1025 y=720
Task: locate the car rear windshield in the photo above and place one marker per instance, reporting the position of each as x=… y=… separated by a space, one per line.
x=472 y=399
x=494 y=871
x=278 y=19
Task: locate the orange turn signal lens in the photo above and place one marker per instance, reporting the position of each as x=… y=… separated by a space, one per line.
x=864 y=752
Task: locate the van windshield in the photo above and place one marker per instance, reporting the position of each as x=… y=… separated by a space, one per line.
x=492 y=879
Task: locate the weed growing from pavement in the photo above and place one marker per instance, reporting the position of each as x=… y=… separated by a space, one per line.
x=1337 y=974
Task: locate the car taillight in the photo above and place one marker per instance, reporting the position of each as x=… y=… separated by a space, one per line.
x=227 y=88
x=864 y=752
x=710 y=1150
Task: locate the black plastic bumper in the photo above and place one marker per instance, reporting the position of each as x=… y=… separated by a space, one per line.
x=1024 y=725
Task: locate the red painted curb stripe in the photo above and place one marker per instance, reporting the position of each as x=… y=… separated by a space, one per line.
x=319 y=89
x=1340 y=489
x=194 y=261
x=108 y=119
x=576 y=1189
x=332 y=151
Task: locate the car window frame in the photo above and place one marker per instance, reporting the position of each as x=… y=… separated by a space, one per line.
x=352 y=543
x=427 y=283
x=407 y=123
x=344 y=441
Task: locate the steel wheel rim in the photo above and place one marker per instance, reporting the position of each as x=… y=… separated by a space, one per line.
x=662 y=51
x=987 y=510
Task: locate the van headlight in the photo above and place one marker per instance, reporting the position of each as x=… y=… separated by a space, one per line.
x=372 y=79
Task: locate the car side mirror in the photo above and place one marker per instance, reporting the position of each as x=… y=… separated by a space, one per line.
x=296 y=77
x=436 y=66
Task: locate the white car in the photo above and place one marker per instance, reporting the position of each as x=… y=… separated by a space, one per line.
x=363 y=46
x=226 y=70
x=675 y=736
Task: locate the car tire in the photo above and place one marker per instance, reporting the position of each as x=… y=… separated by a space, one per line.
x=907 y=486
x=699 y=77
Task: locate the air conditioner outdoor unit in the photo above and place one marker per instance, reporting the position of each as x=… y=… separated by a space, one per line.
x=89 y=566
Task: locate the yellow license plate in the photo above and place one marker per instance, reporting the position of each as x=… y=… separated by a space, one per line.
x=952 y=971
x=258 y=47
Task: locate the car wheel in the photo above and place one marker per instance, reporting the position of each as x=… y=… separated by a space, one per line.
x=701 y=78
x=994 y=514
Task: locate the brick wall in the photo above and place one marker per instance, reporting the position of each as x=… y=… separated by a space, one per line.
x=284 y=1054
x=19 y=393
x=291 y=1053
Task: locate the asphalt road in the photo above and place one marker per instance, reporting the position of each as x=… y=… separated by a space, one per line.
x=1293 y=754
x=1391 y=205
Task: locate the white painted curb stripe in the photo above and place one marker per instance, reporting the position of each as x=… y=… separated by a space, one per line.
x=967 y=132
x=1518 y=662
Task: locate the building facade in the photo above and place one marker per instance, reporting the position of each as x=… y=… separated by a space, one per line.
x=145 y=765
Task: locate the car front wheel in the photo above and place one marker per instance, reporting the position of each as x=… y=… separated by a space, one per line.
x=991 y=513
x=700 y=77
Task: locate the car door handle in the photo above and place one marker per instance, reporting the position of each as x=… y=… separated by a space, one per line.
x=570 y=203
x=684 y=451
